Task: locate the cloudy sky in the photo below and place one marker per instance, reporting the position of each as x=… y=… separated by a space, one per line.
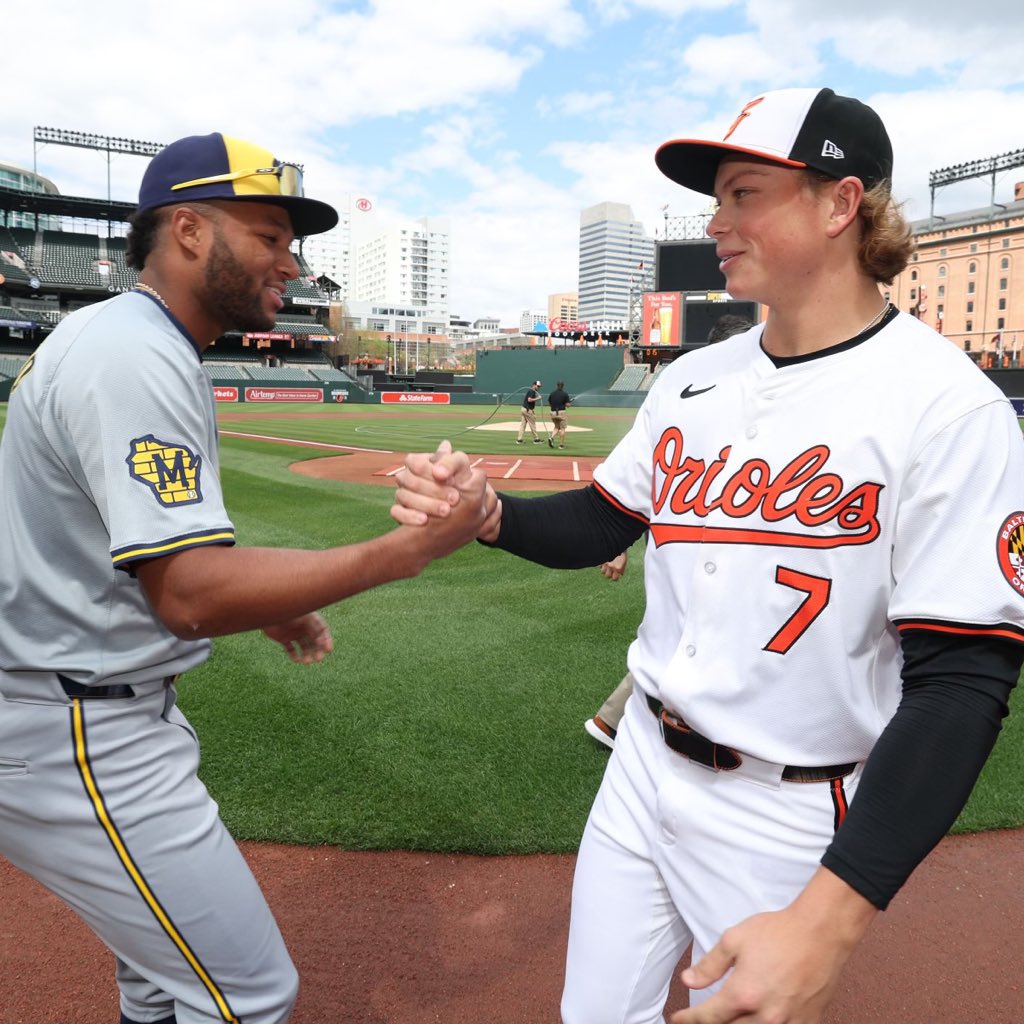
x=506 y=116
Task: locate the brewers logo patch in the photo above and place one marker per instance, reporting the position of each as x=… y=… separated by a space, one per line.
x=171 y=471
x=1010 y=550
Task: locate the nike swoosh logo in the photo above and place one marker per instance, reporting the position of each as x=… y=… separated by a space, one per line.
x=688 y=391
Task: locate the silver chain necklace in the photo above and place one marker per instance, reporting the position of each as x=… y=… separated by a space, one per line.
x=877 y=318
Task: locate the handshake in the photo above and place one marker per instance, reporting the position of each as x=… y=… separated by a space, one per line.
x=443 y=493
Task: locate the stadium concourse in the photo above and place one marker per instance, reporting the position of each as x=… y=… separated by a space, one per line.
x=411 y=938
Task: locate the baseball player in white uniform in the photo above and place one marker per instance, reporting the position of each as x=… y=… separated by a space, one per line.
x=834 y=615
x=117 y=564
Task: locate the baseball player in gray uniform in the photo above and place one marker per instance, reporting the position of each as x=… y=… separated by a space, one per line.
x=835 y=593
x=117 y=564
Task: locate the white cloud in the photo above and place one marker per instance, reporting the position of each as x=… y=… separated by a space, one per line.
x=433 y=109
x=574 y=104
x=934 y=130
x=738 y=65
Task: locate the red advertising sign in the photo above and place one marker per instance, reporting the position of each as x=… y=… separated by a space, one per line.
x=283 y=395
x=415 y=398
x=226 y=394
x=662 y=318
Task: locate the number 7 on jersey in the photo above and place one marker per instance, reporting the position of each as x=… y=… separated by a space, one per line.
x=817 y=589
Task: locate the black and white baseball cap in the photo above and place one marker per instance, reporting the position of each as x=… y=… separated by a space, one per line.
x=813 y=128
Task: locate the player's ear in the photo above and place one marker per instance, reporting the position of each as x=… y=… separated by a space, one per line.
x=191 y=229
x=845 y=198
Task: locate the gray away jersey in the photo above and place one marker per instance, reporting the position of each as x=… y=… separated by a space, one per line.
x=109 y=456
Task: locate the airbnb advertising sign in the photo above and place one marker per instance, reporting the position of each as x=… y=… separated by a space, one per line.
x=283 y=395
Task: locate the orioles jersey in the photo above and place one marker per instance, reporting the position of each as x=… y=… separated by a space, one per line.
x=89 y=485
x=801 y=516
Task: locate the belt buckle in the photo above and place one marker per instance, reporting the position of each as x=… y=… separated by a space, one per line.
x=697 y=748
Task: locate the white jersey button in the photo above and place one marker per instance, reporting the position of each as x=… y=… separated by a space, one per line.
x=710 y=567
x=751 y=432
x=690 y=650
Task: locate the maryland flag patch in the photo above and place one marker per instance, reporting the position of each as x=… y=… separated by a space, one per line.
x=171 y=471
x=1010 y=550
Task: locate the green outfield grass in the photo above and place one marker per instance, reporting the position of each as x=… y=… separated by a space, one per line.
x=450 y=716
x=474 y=428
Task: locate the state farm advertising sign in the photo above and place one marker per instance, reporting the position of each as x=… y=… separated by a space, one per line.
x=415 y=397
x=283 y=395
x=226 y=394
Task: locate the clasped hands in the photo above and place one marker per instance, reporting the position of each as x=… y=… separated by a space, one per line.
x=432 y=485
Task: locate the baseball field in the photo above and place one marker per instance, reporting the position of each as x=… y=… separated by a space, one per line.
x=449 y=717
x=446 y=725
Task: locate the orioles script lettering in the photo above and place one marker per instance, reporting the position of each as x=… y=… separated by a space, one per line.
x=803 y=492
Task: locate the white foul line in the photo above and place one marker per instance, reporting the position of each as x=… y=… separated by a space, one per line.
x=515 y=466
x=575 y=470
x=307 y=444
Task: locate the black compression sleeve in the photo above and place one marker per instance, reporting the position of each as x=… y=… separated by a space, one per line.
x=570 y=530
x=924 y=765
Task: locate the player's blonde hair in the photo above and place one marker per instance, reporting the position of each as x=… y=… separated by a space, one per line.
x=886 y=239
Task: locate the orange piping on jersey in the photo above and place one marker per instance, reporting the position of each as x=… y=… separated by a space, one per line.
x=1006 y=634
x=99 y=807
x=665 y=533
x=839 y=801
x=619 y=505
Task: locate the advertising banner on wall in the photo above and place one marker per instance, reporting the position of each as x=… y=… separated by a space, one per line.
x=225 y=394
x=284 y=395
x=662 y=318
x=415 y=398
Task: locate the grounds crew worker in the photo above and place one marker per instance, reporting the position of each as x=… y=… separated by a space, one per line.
x=559 y=401
x=118 y=563
x=527 y=417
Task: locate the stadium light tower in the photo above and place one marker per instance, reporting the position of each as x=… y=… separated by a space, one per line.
x=86 y=140
x=991 y=165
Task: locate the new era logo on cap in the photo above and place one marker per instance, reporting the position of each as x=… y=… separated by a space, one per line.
x=814 y=128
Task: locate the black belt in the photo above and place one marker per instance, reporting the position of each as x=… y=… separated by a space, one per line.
x=114 y=690
x=683 y=740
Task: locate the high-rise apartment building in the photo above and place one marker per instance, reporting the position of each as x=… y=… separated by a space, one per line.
x=529 y=318
x=330 y=253
x=613 y=249
x=404 y=264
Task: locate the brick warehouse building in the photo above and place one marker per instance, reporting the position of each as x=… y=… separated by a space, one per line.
x=967 y=280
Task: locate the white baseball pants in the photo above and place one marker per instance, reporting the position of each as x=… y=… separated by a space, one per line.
x=675 y=853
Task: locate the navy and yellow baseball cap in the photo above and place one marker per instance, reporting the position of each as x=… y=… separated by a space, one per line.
x=814 y=128
x=216 y=166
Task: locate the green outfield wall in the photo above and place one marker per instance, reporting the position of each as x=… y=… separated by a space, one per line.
x=584 y=370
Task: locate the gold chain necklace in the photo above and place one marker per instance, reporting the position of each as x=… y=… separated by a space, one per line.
x=140 y=287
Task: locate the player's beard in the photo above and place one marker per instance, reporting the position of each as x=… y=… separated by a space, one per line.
x=233 y=296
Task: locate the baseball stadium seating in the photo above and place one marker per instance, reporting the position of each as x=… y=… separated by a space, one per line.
x=224 y=371
x=279 y=373
x=11 y=365
x=632 y=378
x=329 y=375
x=652 y=377
x=13 y=267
